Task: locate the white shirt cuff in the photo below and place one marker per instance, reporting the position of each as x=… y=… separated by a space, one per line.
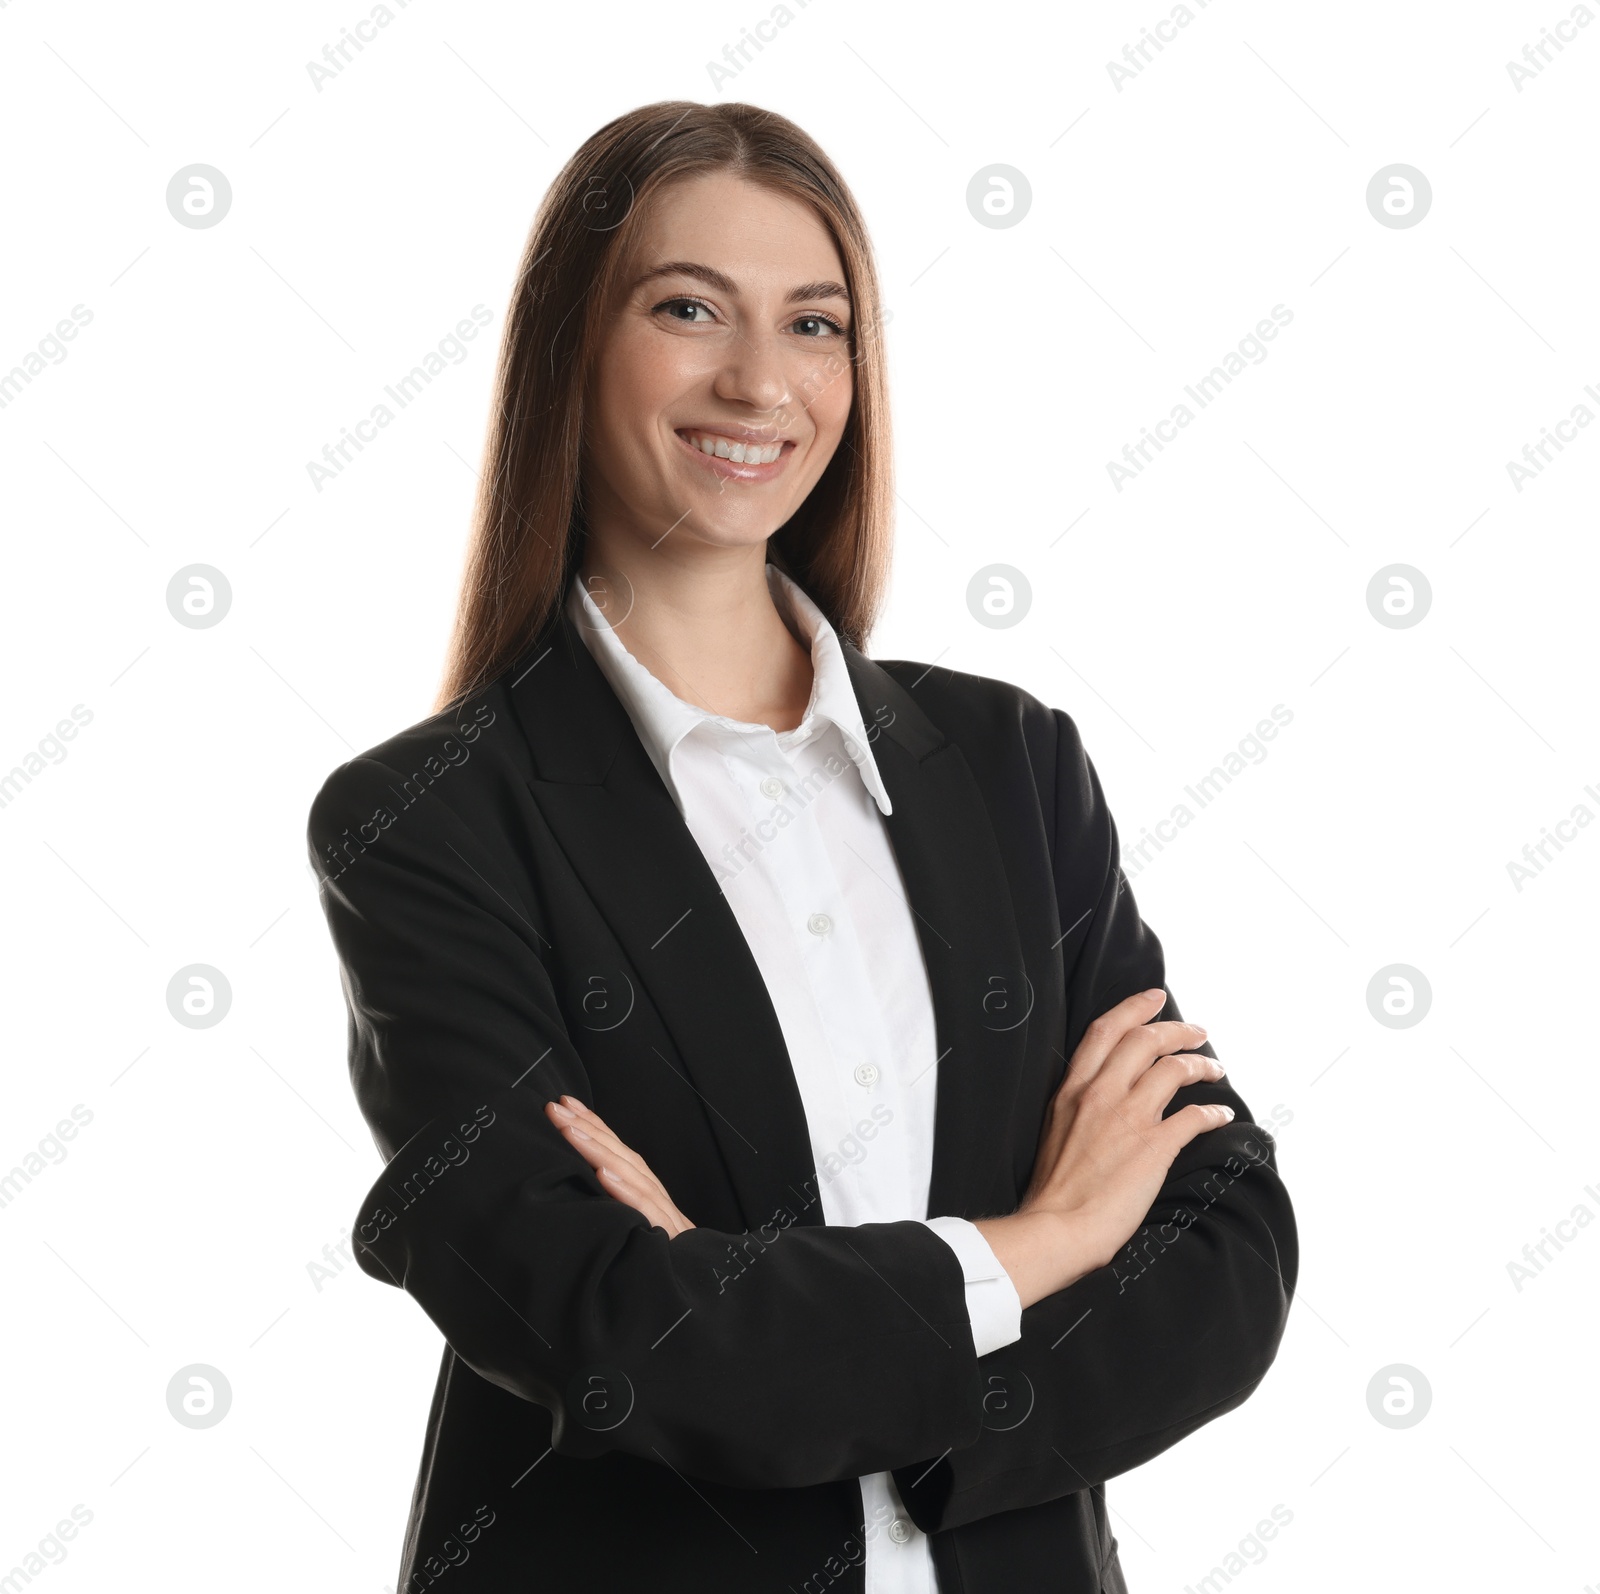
x=993 y=1305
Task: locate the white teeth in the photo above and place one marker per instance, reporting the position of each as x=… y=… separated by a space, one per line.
x=734 y=453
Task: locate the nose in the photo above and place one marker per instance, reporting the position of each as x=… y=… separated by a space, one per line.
x=755 y=374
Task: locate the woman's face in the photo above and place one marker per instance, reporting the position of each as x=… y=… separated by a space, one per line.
x=730 y=336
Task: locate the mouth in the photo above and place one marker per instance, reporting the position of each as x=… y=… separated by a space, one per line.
x=736 y=458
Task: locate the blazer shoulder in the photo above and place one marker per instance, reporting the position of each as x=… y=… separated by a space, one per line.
x=1001 y=728
x=460 y=752
x=971 y=708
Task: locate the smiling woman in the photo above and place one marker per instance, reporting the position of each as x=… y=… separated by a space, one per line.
x=687 y=968
x=720 y=394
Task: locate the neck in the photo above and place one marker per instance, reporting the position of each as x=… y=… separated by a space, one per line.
x=706 y=627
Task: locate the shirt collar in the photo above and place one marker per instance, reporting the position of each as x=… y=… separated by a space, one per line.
x=663 y=719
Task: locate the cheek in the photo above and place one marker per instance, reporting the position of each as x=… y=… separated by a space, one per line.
x=637 y=377
x=831 y=388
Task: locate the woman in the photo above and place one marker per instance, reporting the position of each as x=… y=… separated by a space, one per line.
x=712 y=986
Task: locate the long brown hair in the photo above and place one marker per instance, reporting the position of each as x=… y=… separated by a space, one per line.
x=527 y=535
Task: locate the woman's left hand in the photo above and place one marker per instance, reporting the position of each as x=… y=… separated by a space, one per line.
x=620 y=1168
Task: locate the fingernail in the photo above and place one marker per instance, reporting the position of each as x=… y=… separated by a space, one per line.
x=561 y=1112
x=578 y=1134
x=1199 y=1029
x=1153 y=993
x=1227 y=1114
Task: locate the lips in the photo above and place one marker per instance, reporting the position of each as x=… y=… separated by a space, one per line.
x=741 y=470
x=742 y=447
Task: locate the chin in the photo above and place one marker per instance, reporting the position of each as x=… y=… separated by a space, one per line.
x=736 y=536
x=710 y=526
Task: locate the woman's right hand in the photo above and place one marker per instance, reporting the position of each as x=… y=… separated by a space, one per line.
x=1105 y=1148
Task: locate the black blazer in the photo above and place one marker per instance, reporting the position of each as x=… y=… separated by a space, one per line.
x=520 y=911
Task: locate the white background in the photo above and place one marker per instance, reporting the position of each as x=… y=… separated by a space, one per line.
x=1228 y=176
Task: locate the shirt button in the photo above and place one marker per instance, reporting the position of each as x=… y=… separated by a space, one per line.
x=819 y=924
x=900 y=1530
x=867 y=1074
x=772 y=787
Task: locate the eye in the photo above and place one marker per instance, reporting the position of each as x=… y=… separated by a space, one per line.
x=821 y=321
x=673 y=305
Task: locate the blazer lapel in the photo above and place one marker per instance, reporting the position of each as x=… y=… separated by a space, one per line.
x=624 y=836
x=960 y=899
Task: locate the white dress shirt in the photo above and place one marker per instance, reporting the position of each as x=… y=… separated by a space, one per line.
x=791 y=823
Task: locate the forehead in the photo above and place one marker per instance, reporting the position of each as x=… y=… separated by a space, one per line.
x=741 y=227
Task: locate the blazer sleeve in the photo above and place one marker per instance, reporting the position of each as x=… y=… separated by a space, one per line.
x=1185 y=1321
x=836 y=1352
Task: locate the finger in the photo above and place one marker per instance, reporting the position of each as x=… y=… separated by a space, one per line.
x=643 y=1195
x=1184 y=1125
x=621 y=1166
x=629 y=1169
x=1165 y=1077
x=607 y=1151
x=1107 y=1031
x=587 y=1116
x=642 y=1199
x=1133 y=1046
x=631 y=1192
x=583 y=1143
x=1139 y=1048
x=594 y=1125
x=584 y=1111
x=586 y=1123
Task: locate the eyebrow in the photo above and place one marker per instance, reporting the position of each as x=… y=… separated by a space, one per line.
x=725 y=284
